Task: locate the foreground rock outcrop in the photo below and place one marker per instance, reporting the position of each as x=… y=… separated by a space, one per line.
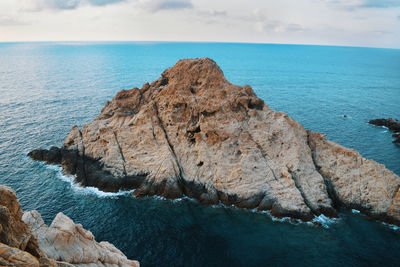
x=391 y=124
x=26 y=241
x=193 y=133
x=66 y=241
x=18 y=245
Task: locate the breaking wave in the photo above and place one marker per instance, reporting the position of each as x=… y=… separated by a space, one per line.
x=87 y=190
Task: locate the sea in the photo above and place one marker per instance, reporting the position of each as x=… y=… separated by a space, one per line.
x=46 y=88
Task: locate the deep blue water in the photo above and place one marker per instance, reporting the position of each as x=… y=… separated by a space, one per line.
x=45 y=88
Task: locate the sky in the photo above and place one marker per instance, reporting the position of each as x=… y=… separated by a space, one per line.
x=372 y=23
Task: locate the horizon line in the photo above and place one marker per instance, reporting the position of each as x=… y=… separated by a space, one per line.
x=215 y=42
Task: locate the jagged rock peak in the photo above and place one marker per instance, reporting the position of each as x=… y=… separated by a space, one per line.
x=193 y=71
x=198 y=83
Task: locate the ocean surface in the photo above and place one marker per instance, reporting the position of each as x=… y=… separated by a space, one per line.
x=46 y=88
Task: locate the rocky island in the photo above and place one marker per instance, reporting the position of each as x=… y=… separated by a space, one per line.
x=193 y=133
x=391 y=124
x=25 y=240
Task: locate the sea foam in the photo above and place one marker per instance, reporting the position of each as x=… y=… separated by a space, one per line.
x=324 y=221
x=87 y=190
x=391 y=226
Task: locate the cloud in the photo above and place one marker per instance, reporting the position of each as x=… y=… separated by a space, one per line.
x=158 y=5
x=217 y=13
x=262 y=23
x=103 y=2
x=380 y=3
x=357 y=4
x=150 y=5
x=382 y=32
x=212 y=13
x=293 y=27
x=9 y=21
x=212 y=16
x=258 y=14
x=277 y=27
x=39 y=5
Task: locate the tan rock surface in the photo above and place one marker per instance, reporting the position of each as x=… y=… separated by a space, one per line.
x=18 y=244
x=357 y=182
x=62 y=244
x=66 y=241
x=193 y=133
x=10 y=256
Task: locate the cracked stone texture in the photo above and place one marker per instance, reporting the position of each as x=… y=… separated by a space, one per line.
x=18 y=245
x=66 y=241
x=357 y=182
x=11 y=256
x=192 y=132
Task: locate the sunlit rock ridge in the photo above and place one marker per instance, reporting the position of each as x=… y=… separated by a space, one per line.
x=193 y=133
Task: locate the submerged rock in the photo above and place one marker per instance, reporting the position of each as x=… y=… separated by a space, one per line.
x=27 y=241
x=391 y=124
x=193 y=133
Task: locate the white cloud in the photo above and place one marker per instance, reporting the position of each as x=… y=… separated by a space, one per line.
x=380 y=3
x=10 y=21
x=157 y=5
x=39 y=5
x=150 y=5
x=260 y=21
x=353 y=5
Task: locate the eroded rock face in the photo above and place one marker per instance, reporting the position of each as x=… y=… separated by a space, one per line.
x=18 y=245
x=356 y=182
x=66 y=241
x=193 y=133
x=27 y=241
x=10 y=256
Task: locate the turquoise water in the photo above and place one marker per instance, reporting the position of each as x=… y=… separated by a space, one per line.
x=45 y=88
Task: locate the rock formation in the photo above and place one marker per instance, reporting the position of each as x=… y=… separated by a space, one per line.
x=193 y=133
x=391 y=124
x=62 y=244
x=356 y=182
x=69 y=242
x=18 y=245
